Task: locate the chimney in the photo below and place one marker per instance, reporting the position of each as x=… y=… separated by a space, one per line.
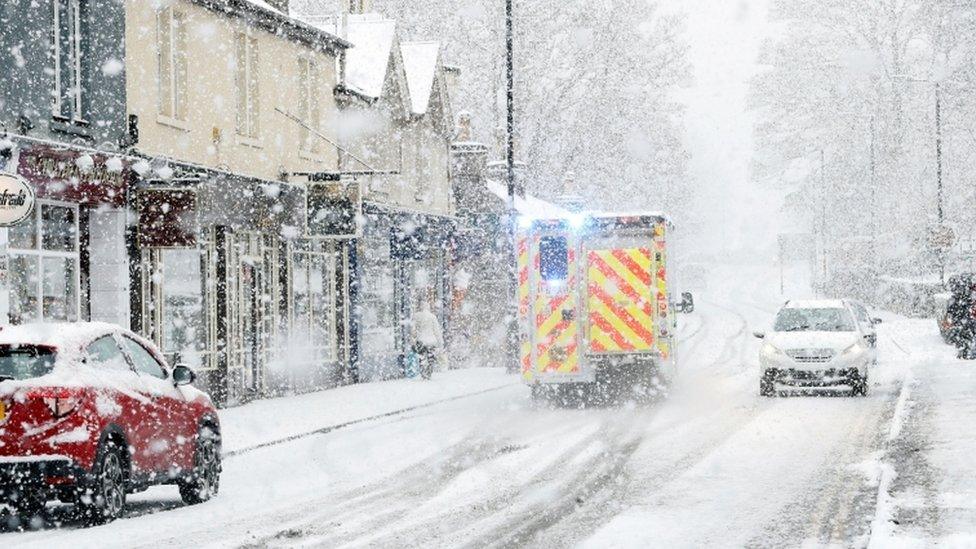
x=452 y=80
x=468 y=162
x=463 y=126
x=570 y=198
x=569 y=183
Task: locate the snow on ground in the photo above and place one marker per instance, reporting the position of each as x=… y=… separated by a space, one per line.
x=267 y=421
x=712 y=465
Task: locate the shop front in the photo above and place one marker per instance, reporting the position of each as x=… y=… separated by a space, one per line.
x=227 y=285
x=65 y=261
x=405 y=263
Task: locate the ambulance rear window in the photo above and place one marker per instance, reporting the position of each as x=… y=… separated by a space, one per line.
x=553 y=258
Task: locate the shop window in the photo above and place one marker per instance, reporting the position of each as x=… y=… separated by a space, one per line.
x=377 y=296
x=44 y=266
x=59 y=288
x=58 y=228
x=184 y=333
x=24 y=235
x=313 y=310
x=24 y=291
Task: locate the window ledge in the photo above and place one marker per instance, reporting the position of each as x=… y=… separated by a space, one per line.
x=79 y=127
x=253 y=142
x=172 y=122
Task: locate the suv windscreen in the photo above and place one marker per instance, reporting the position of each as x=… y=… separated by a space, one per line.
x=814 y=320
x=25 y=362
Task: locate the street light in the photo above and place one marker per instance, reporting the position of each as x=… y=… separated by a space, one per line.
x=512 y=332
x=820 y=227
x=940 y=212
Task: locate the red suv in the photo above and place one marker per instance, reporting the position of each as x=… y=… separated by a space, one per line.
x=90 y=412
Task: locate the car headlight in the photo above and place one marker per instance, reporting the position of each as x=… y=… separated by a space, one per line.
x=770 y=351
x=853 y=350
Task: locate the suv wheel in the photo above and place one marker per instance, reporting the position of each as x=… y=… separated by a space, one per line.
x=203 y=482
x=105 y=500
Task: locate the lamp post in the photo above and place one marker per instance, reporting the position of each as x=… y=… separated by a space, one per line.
x=939 y=199
x=512 y=331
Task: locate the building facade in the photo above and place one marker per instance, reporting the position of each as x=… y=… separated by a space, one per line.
x=234 y=112
x=62 y=112
x=396 y=101
x=266 y=204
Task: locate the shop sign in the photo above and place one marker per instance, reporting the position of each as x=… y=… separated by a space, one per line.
x=334 y=210
x=167 y=218
x=16 y=199
x=75 y=176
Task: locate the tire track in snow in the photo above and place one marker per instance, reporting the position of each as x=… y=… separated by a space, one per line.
x=351 y=517
x=839 y=507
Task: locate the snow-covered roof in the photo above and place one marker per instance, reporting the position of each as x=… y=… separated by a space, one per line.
x=420 y=65
x=528 y=205
x=368 y=61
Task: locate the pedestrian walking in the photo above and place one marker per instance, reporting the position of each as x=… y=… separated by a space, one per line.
x=428 y=340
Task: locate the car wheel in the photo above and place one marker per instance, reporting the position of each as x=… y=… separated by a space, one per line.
x=105 y=500
x=767 y=384
x=203 y=482
x=859 y=384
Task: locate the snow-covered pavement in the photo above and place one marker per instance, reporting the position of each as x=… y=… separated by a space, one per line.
x=713 y=465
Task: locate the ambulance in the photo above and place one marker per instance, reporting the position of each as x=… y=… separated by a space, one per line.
x=596 y=308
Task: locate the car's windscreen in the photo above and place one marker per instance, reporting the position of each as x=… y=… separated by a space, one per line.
x=25 y=362
x=814 y=320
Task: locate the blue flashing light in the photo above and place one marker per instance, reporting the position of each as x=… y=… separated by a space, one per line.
x=525 y=221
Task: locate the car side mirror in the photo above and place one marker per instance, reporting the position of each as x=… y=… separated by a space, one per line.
x=759 y=335
x=876 y=321
x=183 y=375
x=687 y=304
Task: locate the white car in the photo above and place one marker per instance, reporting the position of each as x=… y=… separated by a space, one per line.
x=816 y=344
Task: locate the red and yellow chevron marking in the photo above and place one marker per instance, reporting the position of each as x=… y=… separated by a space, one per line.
x=522 y=264
x=525 y=347
x=556 y=348
x=660 y=260
x=620 y=308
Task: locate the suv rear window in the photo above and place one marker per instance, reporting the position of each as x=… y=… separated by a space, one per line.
x=25 y=362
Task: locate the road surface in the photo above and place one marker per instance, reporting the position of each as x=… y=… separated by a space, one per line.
x=712 y=465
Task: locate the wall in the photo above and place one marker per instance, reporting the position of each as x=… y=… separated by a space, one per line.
x=387 y=141
x=26 y=29
x=212 y=99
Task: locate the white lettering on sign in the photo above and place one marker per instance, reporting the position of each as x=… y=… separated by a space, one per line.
x=16 y=199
